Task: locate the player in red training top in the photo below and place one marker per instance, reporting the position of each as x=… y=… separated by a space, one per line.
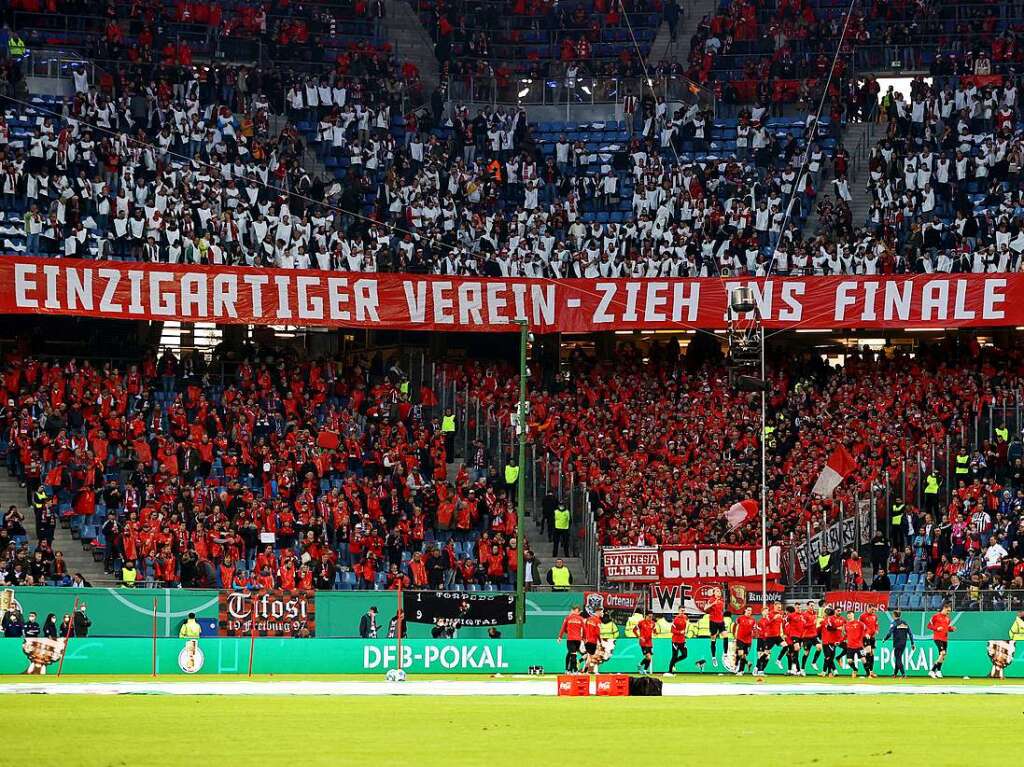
x=679 y=626
x=744 y=629
x=769 y=636
x=870 y=620
x=811 y=636
x=572 y=630
x=591 y=638
x=831 y=635
x=715 y=610
x=644 y=632
x=940 y=625
x=855 y=632
x=793 y=631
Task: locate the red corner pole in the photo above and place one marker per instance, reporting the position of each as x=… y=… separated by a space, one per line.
x=252 y=641
x=399 y=623
x=67 y=638
x=154 y=637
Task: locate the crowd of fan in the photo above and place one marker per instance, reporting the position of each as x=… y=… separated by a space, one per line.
x=185 y=479
x=664 y=445
x=212 y=185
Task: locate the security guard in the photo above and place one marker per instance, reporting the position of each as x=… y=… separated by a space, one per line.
x=1017 y=629
x=563 y=519
x=129 y=575
x=39 y=502
x=931 y=493
x=1003 y=434
x=511 y=479
x=559 y=576
x=190 y=628
x=963 y=464
x=448 y=432
x=662 y=628
x=633 y=620
x=15 y=46
x=609 y=629
x=824 y=565
x=897 y=526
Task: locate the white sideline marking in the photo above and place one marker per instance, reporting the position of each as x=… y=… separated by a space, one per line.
x=492 y=688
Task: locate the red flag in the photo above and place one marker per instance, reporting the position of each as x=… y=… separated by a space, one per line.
x=741 y=513
x=840 y=465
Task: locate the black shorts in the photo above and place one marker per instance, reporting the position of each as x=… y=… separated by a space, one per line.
x=716 y=628
x=590 y=647
x=766 y=644
x=742 y=646
x=646 y=649
x=809 y=642
x=869 y=642
x=941 y=645
x=679 y=647
x=850 y=651
x=573 y=645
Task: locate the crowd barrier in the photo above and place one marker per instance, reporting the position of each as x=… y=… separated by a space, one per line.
x=107 y=656
x=129 y=613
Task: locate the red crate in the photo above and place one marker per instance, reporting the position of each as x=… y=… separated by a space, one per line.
x=612 y=684
x=573 y=686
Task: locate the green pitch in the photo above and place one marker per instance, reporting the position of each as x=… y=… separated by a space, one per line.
x=153 y=731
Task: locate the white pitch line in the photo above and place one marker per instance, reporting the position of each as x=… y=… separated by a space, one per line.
x=489 y=688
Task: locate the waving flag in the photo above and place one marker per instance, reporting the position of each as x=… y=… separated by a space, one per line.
x=840 y=465
x=741 y=513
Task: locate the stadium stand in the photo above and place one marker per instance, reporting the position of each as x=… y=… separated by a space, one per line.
x=158 y=464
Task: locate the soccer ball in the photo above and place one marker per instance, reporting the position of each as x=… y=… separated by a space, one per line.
x=395 y=675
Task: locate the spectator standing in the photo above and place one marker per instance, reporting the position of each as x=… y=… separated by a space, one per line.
x=368 y=624
x=82 y=622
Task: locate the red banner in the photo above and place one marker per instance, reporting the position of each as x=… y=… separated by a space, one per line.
x=693 y=596
x=630 y=564
x=742 y=564
x=617 y=601
x=312 y=298
x=274 y=612
x=858 y=601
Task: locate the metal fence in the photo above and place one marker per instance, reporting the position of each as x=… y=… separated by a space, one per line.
x=543 y=473
x=577 y=91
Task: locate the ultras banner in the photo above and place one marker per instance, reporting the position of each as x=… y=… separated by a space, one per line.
x=282 y=296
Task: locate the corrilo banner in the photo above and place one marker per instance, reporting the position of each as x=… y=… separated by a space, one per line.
x=275 y=613
x=743 y=564
x=298 y=297
x=858 y=601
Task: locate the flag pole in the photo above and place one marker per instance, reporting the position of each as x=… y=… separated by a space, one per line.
x=67 y=638
x=252 y=640
x=154 y=637
x=399 y=622
x=764 y=477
